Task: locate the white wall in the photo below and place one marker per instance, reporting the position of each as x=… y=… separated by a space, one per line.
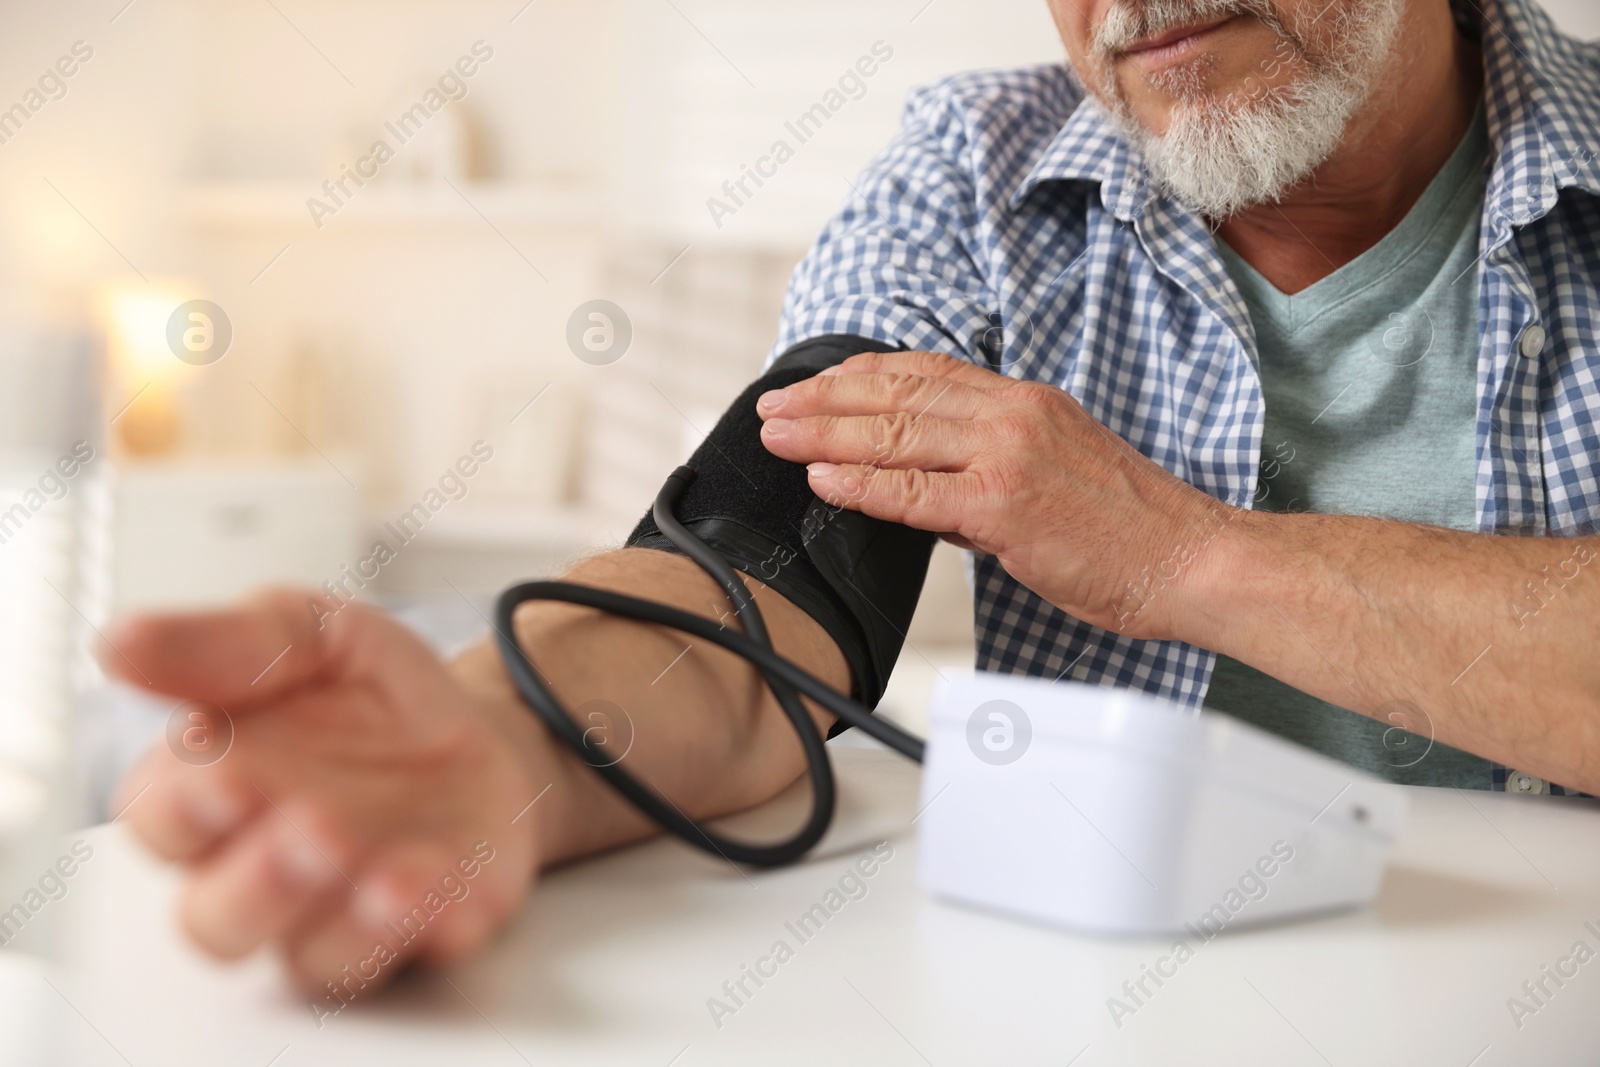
x=697 y=116
x=1581 y=18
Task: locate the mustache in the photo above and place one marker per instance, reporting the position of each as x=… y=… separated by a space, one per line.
x=1127 y=21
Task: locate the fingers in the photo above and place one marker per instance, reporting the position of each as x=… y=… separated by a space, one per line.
x=410 y=906
x=237 y=656
x=182 y=812
x=872 y=394
x=279 y=643
x=893 y=440
x=933 y=501
x=927 y=364
x=424 y=897
x=263 y=881
x=339 y=955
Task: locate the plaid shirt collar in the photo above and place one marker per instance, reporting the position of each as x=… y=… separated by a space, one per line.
x=1543 y=114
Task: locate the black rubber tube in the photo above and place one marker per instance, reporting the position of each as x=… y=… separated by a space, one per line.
x=784 y=679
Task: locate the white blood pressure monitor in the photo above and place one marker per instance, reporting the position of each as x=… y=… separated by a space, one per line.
x=1103 y=810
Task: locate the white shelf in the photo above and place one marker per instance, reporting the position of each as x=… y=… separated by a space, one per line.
x=282 y=205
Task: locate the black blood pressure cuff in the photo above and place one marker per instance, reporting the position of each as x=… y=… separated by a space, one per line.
x=858 y=577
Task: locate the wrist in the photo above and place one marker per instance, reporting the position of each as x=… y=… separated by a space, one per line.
x=1176 y=568
x=1219 y=591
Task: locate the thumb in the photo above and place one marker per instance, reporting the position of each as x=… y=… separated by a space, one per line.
x=272 y=643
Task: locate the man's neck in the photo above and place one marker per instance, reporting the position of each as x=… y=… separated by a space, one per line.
x=1393 y=148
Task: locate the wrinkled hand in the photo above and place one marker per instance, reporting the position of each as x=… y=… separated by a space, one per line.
x=357 y=760
x=1010 y=468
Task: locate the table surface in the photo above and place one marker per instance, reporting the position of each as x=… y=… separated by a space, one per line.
x=613 y=962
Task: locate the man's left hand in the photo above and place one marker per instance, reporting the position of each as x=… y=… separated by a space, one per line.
x=1010 y=468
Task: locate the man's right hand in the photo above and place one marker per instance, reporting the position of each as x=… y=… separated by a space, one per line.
x=363 y=770
x=360 y=776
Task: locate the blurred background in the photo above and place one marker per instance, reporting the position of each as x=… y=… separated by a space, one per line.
x=279 y=343
x=240 y=342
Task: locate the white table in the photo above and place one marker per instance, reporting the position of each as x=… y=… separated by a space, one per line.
x=613 y=961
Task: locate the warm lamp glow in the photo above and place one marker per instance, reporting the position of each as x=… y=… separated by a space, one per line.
x=136 y=331
x=142 y=364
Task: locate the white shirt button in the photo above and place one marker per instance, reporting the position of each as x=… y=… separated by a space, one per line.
x=1525 y=784
x=1532 y=342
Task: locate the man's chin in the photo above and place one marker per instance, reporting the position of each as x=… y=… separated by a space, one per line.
x=1155 y=117
x=1189 y=93
x=1220 y=155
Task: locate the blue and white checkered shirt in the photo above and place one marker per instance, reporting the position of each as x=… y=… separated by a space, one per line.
x=1010 y=198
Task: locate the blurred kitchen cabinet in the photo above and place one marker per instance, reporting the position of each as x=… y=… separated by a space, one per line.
x=189 y=534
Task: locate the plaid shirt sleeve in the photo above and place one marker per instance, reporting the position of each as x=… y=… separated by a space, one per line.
x=896 y=263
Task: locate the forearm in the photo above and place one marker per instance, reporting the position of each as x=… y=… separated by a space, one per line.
x=1495 y=639
x=705 y=730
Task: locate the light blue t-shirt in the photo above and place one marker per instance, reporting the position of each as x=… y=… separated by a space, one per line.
x=1369 y=383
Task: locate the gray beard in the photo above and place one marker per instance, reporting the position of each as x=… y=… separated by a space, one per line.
x=1222 y=154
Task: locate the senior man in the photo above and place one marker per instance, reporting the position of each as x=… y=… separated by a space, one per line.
x=1255 y=355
